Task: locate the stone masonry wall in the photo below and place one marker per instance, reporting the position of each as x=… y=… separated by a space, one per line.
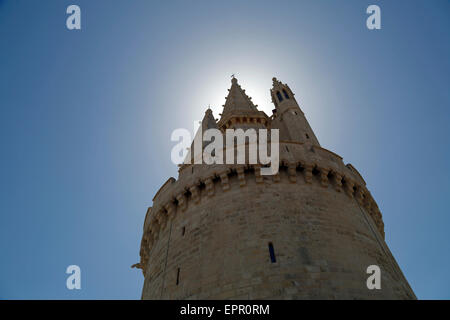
x=323 y=239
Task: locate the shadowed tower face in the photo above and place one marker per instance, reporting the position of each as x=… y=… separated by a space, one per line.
x=227 y=232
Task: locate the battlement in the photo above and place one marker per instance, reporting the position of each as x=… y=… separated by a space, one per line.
x=299 y=163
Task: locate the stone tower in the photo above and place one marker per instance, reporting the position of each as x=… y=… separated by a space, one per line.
x=228 y=232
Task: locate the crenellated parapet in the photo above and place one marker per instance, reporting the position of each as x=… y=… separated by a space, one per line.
x=299 y=164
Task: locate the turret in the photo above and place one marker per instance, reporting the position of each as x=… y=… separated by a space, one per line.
x=288 y=117
x=208 y=122
x=314 y=223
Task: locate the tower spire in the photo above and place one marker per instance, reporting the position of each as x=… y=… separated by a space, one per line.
x=239 y=111
x=288 y=116
x=208 y=122
x=237 y=99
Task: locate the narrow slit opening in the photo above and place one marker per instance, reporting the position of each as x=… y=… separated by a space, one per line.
x=273 y=259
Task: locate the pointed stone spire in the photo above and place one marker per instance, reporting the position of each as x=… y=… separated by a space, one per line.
x=239 y=111
x=208 y=122
x=237 y=100
x=288 y=117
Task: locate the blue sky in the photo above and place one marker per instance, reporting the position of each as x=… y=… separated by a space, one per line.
x=86 y=118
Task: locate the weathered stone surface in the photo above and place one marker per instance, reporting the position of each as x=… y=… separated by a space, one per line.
x=207 y=234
